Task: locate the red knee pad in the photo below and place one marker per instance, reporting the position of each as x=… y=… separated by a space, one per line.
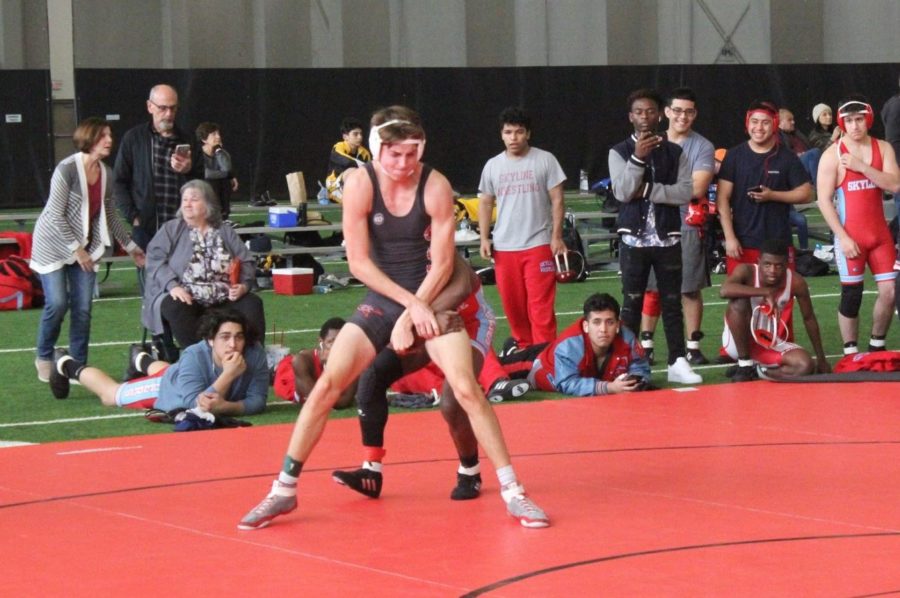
x=651 y=304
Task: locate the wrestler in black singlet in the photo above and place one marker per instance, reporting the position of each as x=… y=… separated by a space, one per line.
x=399 y=246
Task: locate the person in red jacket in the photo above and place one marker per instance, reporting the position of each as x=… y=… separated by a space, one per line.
x=596 y=355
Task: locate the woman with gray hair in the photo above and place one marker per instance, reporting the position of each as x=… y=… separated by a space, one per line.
x=195 y=263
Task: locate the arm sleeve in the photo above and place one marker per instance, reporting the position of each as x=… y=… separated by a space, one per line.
x=626 y=177
x=726 y=170
x=223 y=162
x=119 y=231
x=122 y=179
x=679 y=193
x=158 y=253
x=486 y=184
x=555 y=174
x=193 y=378
x=567 y=377
x=56 y=209
x=706 y=158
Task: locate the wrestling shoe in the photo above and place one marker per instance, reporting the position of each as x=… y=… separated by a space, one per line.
x=504 y=390
x=280 y=501
x=467 y=487
x=43 y=367
x=745 y=373
x=520 y=507
x=681 y=373
x=365 y=481
x=510 y=346
x=134 y=353
x=694 y=355
x=59 y=382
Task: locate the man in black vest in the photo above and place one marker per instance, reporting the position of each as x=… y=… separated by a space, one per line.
x=651 y=177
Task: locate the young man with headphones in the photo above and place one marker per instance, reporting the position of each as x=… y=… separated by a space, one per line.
x=856 y=172
x=398 y=224
x=758 y=182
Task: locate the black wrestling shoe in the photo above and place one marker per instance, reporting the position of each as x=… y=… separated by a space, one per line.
x=510 y=346
x=132 y=371
x=504 y=390
x=467 y=487
x=364 y=481
x=59 y=382
x=696 y=357
x=746 y=373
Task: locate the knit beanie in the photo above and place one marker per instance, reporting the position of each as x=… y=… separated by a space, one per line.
x=818 y=109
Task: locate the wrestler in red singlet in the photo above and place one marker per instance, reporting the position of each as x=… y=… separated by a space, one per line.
x=859 y=207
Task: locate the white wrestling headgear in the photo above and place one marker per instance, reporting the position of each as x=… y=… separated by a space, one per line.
x=375 y=139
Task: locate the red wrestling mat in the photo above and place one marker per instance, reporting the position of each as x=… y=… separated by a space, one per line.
x=747 y=489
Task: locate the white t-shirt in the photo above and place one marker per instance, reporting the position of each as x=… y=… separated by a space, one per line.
x=521 y=187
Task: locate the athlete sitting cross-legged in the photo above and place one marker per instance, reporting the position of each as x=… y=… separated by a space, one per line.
x=757 y=319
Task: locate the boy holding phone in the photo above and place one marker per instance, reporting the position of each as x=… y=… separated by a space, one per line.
x=596 y=355
x=758 y=182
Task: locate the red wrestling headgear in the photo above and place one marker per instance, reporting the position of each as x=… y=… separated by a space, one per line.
x=570 y=267
x=767 y=107
x=855 y=107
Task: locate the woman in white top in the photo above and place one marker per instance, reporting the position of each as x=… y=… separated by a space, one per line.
x=78 y=223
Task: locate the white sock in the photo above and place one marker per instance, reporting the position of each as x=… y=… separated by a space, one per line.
x=474 y=470
x=372 y=466
x=743 y=363
x=287 y=479
x=693 y=345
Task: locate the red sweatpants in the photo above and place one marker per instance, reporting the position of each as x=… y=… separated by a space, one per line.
x=526 y=281
x=430 y=377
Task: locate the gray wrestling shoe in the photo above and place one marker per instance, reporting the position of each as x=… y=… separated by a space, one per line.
x=520 y=507
x=280 y=501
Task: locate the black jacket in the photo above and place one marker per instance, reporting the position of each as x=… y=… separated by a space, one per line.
x=662 y=183
x=133 y=180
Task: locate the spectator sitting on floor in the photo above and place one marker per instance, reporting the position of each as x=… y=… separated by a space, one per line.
x=596 y=355
x=223 y=374
x=758 y=318
x=296 y=375
x=193 y=264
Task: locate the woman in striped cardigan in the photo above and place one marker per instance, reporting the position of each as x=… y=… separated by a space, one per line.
x=71 y=235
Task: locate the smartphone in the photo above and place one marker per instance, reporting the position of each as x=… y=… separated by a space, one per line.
x=183 y=149
x=641 y=383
